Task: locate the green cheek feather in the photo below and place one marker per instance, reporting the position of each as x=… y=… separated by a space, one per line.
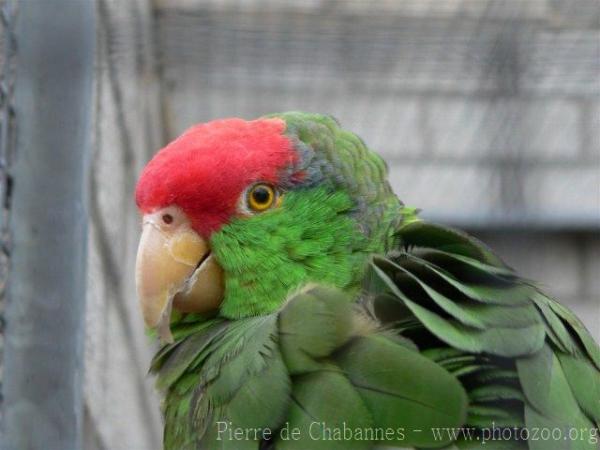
x=311 y=237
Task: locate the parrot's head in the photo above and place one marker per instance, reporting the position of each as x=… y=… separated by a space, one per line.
x=238 y=214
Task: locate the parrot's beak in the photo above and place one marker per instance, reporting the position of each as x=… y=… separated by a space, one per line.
x=174 y=268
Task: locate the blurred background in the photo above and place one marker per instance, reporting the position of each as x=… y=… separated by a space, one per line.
x=487 y=111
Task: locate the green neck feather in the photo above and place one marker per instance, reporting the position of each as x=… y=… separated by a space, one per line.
x=311 y=237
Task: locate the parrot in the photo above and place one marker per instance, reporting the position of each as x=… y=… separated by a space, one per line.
x=299 y=304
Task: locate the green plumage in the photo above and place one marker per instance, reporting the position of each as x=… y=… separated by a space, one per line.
x=345 y=314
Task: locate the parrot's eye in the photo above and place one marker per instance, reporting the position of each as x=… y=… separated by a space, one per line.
x=167 y=218
x=260 y=197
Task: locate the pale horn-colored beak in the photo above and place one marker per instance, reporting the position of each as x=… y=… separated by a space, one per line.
x=174 y=267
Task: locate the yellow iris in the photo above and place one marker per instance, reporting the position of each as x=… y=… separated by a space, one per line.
x=261 y=197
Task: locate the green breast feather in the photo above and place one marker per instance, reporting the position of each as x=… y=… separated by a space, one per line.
x=417 y=331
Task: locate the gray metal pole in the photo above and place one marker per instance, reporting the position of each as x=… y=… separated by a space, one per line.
x=46 y=298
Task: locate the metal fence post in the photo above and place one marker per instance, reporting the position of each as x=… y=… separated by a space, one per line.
x=46 y=294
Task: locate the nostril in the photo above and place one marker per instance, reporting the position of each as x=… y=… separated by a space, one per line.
x=167 y=218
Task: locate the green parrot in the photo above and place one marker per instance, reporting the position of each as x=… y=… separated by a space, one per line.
x=302 y=305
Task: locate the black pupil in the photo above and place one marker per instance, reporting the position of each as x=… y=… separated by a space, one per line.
x=261 y=195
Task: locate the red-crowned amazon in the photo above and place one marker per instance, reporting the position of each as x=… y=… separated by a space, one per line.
x=301 y=305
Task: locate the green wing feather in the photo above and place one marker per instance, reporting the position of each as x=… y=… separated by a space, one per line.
x=524 y=359
x=444 y=336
